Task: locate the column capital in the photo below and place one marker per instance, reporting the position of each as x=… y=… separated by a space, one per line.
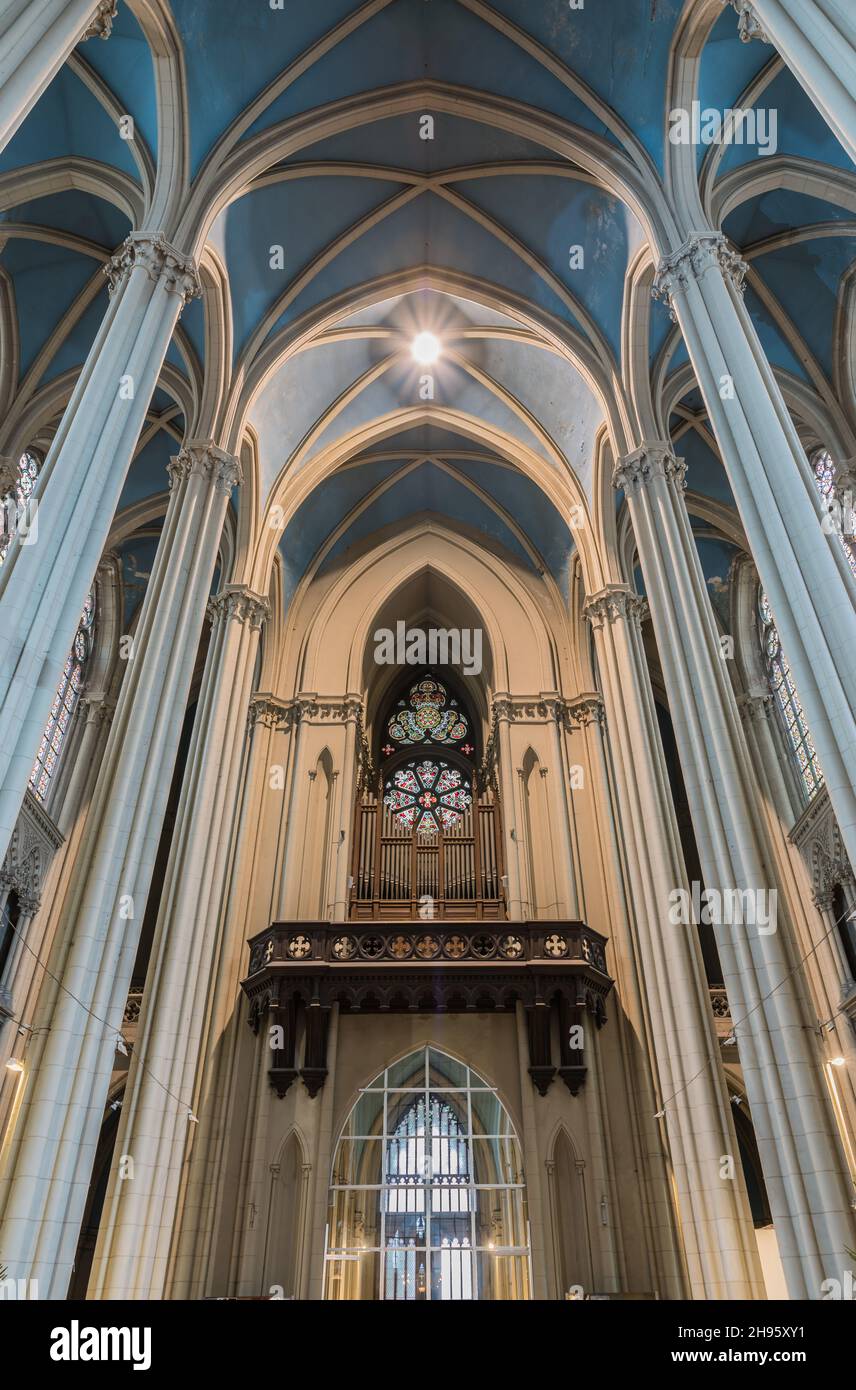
x=101 y=24
x=202 y=458
x=586 y=709
x=151 y=252
x=653 y=459
x=749 y=26
x=614 y=602
x=699 y=253
x=755 y=709
x=239 y=602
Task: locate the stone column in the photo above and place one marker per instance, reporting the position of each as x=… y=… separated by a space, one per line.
x=137 y=1226
x=351 y=713
x=817 y=40
x=48 y=1174
x=718 y=1235
x=43 y=584
x=808 y=1193
x=804 y=571
x=36 y=37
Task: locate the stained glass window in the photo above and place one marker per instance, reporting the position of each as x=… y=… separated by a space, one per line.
x=428 y=715
x=781 y=682
x=427 y=796
x=824 y=477
x=427 y=1198
x=64 y=705
x=12 y=506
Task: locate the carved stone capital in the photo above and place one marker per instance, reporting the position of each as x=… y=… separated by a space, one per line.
x=749 y=26
x=701 y=252
x=586 y=710
x=755 y=709
x=651 y=460
x=101 y=24
x=614 y=602
x=241 y=604
x=151 y=252
x=203 y=459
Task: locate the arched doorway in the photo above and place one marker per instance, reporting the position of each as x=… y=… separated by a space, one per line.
x=427 y=1193
x=426 y=841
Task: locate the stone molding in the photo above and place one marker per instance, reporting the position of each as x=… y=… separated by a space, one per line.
x=151 y=252
x=202 y=458
x=691 y=261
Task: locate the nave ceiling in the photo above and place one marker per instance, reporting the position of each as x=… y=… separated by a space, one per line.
x=310 y=140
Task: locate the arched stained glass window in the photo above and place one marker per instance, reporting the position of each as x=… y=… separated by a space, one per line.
x=427 y=796
x=824 y=471
x=428 y=714
x=782 y=685
x=12 y=506
x=427 y=1195
x=64 y=705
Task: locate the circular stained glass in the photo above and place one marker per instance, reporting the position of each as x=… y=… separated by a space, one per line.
x=427 y=797
x=428 y=715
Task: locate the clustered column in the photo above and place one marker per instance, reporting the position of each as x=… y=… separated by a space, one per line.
x=36 y=37
x=781 y=1066
x=805 y=573
x=48 y=1171
x=718 y=1235
x=43 y=584
x=817 y=39
x=139 y=1216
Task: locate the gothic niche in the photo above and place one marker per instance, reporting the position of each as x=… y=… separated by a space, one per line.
x=426 y=841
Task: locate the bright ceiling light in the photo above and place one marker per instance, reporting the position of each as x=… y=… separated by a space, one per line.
x=425 y=348
x=838 y=1061
x=14 y=1065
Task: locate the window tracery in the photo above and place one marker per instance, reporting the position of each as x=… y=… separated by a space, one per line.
x=65 y=702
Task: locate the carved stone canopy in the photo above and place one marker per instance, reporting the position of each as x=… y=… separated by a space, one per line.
x=35 y=840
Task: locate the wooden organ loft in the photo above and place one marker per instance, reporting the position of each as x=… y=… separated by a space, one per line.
x=427 y=837
x=427 y=928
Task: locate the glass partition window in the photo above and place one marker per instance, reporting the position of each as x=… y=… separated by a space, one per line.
x=427 y=1197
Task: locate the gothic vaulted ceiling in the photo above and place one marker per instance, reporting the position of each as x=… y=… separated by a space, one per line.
x=351 y=174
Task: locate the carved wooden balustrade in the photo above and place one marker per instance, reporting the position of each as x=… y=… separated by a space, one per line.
x=298 y=970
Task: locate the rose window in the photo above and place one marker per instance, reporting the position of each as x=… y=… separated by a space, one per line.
x=427 y=715
x=427 y=797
